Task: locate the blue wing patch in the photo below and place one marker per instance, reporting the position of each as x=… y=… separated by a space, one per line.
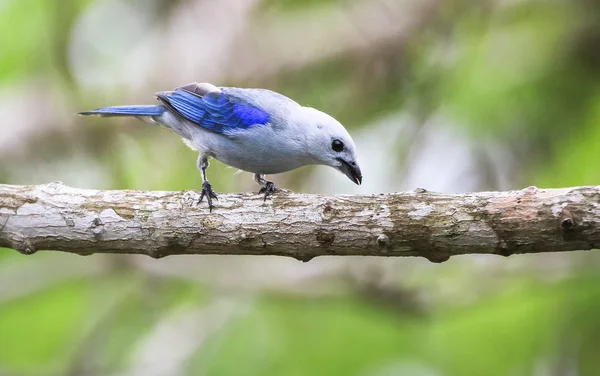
x=250 y=114
x=214 y=110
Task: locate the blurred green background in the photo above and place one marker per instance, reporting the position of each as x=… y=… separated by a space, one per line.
x=451 y=96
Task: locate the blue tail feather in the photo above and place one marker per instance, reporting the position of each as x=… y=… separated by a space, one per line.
x=143 y=110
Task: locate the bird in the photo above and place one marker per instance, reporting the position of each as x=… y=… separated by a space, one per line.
x=255 y=130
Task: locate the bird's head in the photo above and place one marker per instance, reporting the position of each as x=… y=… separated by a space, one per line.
x=332 y=145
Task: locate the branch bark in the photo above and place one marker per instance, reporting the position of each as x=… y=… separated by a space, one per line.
x=419 y=223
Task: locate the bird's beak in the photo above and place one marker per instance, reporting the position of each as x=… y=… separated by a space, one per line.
x=351 y=170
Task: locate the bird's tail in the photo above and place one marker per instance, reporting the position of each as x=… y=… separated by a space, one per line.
x=143 y=110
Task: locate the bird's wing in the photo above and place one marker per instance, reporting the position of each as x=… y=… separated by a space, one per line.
x=212 y=109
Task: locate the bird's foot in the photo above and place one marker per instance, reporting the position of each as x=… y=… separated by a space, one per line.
x=207 y=192
x=268 y=189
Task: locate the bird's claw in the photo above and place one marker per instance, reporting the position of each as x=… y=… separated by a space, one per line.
x=268 y=189
x=207 y=192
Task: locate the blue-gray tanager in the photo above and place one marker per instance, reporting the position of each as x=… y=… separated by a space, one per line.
x=254 y=130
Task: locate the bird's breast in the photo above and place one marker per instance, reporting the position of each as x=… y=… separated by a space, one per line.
x=262 y=155
x=261 y=149
x=259 y=161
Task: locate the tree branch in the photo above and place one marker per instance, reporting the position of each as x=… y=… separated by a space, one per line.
x=419 y=223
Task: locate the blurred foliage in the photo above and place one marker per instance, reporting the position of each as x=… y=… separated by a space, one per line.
x=517 y=76
x=29 y=52
x=294 y=5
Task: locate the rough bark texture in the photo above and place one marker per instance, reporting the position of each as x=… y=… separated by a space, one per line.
x=419 y=223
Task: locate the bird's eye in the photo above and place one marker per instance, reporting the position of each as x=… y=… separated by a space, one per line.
x=337 y=146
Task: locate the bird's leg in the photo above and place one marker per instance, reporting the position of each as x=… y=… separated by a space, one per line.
x=268 y=187
x=206 y=187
